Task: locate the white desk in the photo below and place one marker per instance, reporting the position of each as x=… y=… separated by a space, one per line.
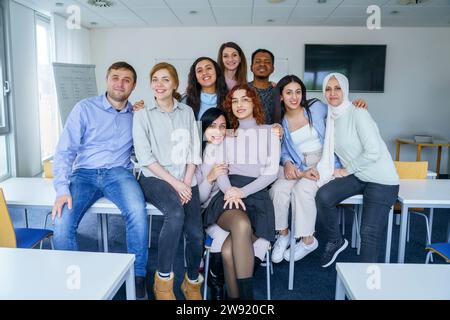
x=38 y=193
x=27 y=274
x=354 y=200
x=371 y=281
x=420 y=194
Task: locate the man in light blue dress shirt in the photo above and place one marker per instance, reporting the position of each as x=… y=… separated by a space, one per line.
x=92 y=161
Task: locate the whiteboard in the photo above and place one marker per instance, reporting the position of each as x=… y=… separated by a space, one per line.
x=73 y=82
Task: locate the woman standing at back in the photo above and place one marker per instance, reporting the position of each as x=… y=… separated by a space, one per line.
x=232 y=61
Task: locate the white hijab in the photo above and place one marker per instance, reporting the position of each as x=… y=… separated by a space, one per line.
x=326 y=163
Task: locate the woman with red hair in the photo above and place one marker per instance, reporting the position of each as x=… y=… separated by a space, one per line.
x=243 y=206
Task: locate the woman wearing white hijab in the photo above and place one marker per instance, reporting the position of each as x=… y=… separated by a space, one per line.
x=368 y=169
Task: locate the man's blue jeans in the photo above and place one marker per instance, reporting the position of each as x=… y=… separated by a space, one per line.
x=118 y=185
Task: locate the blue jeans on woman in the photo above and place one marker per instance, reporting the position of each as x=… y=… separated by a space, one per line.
x=119 y=186
x=178 y=218
x=377 y=202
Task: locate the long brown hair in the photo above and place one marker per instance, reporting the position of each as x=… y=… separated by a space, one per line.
x=194 y=89
x=258 y=111
x=173 y=74
x=241 y=71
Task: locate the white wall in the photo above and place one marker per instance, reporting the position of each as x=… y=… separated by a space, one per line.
x=24 y=90
x=417 y=67
x=71 y=45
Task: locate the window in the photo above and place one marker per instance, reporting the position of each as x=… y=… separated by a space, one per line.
x=4 y=85
x=48 y=111
x=4 y=90
x=3 y=157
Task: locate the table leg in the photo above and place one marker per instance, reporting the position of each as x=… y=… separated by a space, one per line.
x=105 y=232
x=438 y=162
x=129 y=284
x=99 y=232
x=402 y=237
x=389 y=236
x=419 y=150
x=397 y=153
x=340 y=289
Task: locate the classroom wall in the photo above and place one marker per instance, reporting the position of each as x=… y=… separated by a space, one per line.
x=417 y=81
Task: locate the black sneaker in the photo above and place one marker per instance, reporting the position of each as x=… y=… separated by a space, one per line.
x=141 y=292
x=332 y=250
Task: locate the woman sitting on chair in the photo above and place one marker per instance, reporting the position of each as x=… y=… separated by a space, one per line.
x=167 y=147
x=243 y=206
x=214 y=126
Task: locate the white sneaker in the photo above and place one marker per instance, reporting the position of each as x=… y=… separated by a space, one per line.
x=301 y=250
x=280 y=247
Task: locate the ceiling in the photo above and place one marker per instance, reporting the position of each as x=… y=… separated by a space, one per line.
x=176 y=13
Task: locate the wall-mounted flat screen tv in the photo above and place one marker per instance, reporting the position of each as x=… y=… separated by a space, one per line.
x=364 y=65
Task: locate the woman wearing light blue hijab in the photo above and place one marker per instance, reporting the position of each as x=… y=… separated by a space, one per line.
x=368 y=169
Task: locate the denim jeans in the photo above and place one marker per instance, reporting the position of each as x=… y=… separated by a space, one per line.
x=118 y=185
x=377 y=202
x=177 y=218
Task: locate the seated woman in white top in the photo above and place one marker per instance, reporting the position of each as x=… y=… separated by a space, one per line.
x=368 y=169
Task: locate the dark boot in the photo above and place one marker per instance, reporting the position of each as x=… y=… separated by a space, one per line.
x=257 y=264
x=245 y=288
x=216 y=277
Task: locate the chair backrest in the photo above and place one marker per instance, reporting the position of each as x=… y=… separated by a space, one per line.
x=412 y=170
x=7 y=234
x=48 y=169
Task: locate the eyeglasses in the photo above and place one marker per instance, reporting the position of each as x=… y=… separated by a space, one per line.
x=243 y=100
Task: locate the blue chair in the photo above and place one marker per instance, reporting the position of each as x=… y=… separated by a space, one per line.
x=442 y=249
x=25 y=238
x=208 y=243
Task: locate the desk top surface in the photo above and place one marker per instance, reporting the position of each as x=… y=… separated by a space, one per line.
x=47 y=274
x=39 y=192
x=372 y=281
x=435 y=143
x=426 y=192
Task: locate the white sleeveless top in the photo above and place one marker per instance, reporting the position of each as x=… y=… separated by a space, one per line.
x=306 y=139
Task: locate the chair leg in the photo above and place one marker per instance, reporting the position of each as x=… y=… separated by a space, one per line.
x=51 y=243
x=150 y=217
x=268 y=273
x=430 y=221
x=397 y=219
x=343 y=220
x=205 y=283
x=46 y=219
x=429 y=256
x=354 y=226
x=291 y=254
x=358 y=230
x=40 y=244
x=184 y=251
x=408 y=223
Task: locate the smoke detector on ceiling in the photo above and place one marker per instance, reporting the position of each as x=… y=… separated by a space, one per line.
x=101 y=3
x=411 y=2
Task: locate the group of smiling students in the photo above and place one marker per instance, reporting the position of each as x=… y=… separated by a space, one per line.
x=239 y=182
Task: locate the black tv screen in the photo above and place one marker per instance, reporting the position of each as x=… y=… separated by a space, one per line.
x=363 y=65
